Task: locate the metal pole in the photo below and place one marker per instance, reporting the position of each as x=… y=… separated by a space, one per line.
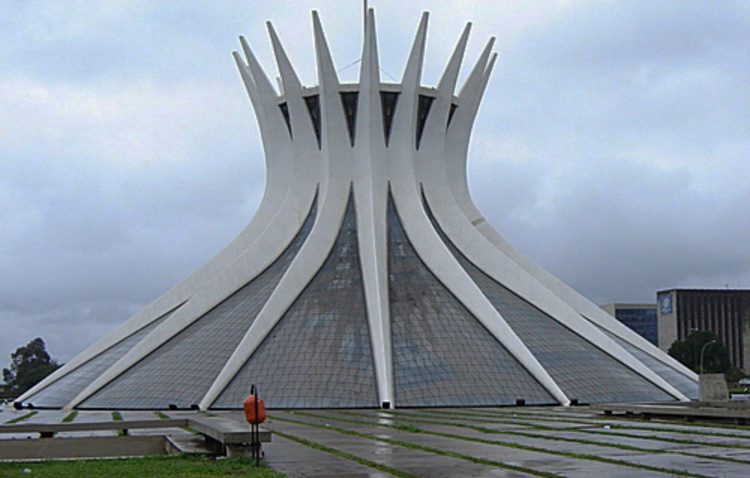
x=364 y=18
x=703 y=350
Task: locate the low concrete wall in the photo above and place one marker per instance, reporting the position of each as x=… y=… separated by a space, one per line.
x=713 y=388
x=83 y=447
x=228 y=435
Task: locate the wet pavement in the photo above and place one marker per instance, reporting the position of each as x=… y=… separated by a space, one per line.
x=480 y=442
x=500 y=443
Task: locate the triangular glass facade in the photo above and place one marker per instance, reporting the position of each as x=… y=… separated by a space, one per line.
x=442 y=355
x=180 y=371
x=319 y=353
x=578 y=367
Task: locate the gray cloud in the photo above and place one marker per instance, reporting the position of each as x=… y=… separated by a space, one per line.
x=611 y=146
x=621 y=128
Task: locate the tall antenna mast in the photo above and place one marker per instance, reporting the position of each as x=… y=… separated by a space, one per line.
x=364 y=19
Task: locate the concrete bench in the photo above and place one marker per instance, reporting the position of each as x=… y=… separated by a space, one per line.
x=687 y=411
x=230 y=437
x=222 y=435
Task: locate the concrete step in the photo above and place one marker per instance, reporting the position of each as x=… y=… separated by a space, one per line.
x=194 y=444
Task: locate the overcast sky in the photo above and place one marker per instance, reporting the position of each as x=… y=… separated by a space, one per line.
x=612 y=145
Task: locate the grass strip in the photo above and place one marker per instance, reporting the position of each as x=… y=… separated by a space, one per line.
x=164 y=416
x=343 y=454
x=402 y=414
x=522 y=434
x=580 y=456
x=117 y=417
x=514 y=414
x=612 y=426
x=679 y=426
x=415 y=446
x=712 y=457
x=667 y=439
x=21 y=418
x=490 y=419
x=499 y=417
x=555 y=438
x=598 y=443
x=70 y=416
x=515 y=411
x=165 y=466
x=696 y=423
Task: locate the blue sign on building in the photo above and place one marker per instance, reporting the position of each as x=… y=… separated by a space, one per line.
x=665 y=304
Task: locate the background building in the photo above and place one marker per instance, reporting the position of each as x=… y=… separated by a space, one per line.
x=641 y=318
x=725 y=312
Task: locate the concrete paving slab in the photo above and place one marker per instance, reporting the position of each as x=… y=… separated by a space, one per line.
x=42 y=416
x=296 y=460
x=530 y=459
x=507 y=423
x=490 y=415
x=656 y=446
x=541 y=443
x=419 y=462
x=93 y=416
x=677 y=462
x=669 y=432
x=704 y=466
x=695 y=439
x=610 y=452
x=299 y=460
x=528 y=412
x=139 y=415
x=719 y=452
x=539 y=461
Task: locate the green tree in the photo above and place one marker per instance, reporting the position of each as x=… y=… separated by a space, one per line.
x=734 y=375
x=688 y=352
x=29 y=365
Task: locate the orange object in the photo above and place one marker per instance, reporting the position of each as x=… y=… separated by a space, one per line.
x=255 y=409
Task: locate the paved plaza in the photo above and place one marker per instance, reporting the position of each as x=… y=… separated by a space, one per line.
x=477 y=442
x=500 y=442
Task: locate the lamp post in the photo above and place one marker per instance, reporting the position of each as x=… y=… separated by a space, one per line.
x=703 y=349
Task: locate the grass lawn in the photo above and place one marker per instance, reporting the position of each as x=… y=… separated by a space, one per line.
x=182 y=466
